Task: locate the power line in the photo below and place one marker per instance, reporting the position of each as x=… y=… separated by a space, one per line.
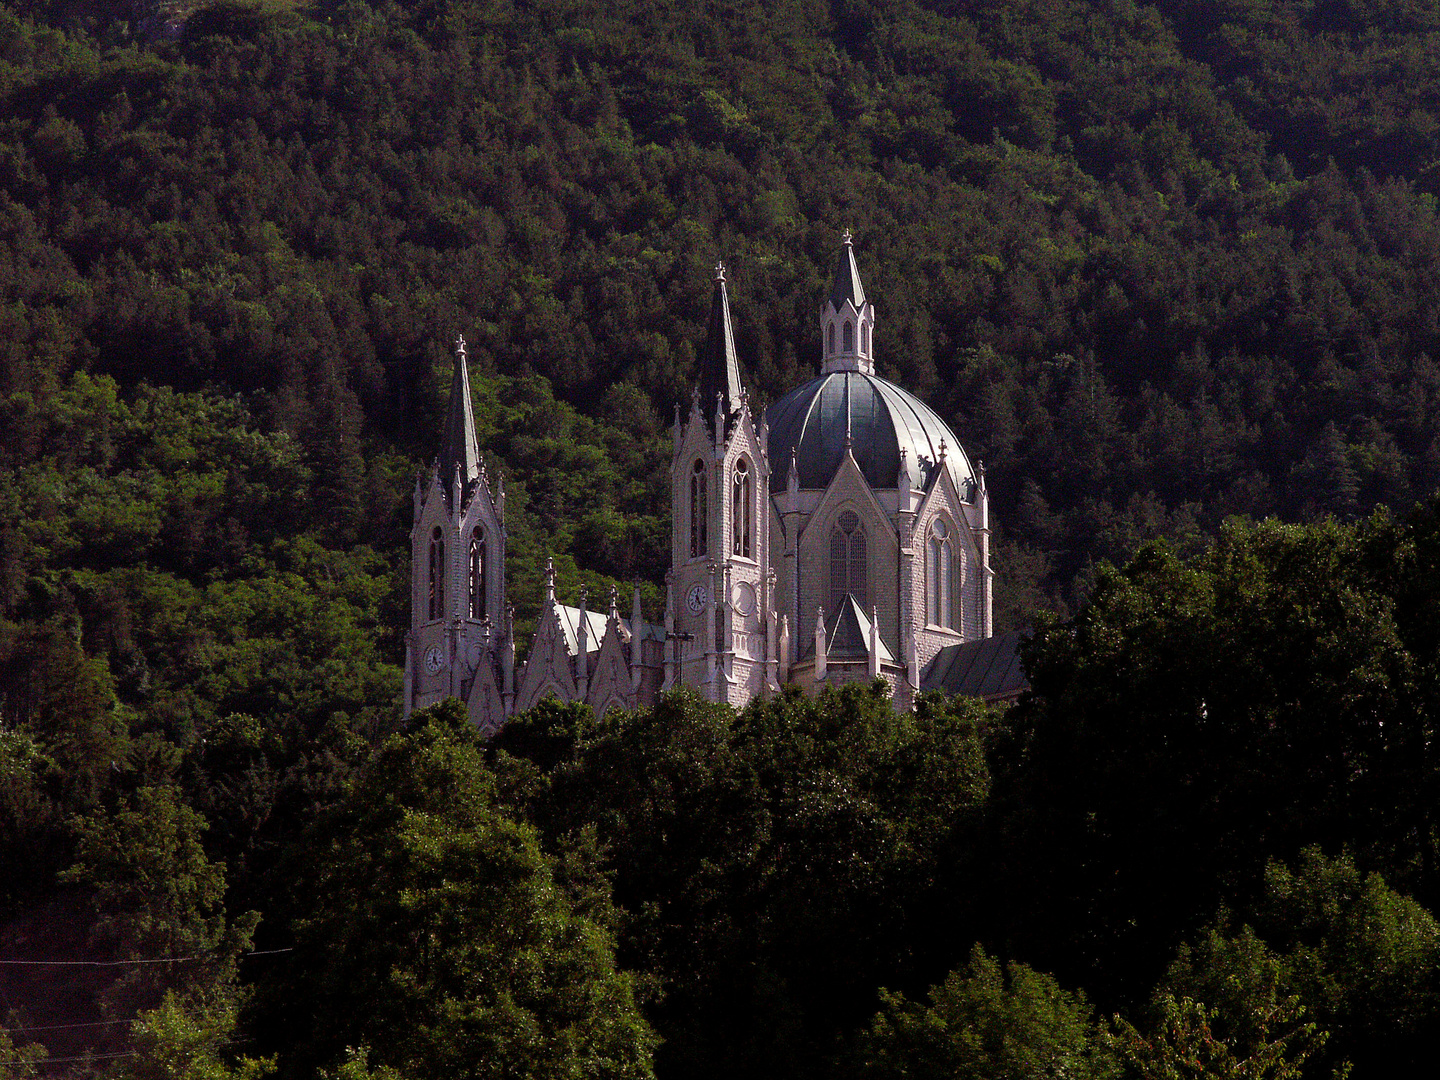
x=97 y=963
x=79 y=1057
x=123 y=963
x=57 y=1027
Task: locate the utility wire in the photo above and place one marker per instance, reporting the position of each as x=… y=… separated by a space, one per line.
x=57 y=1027
x=79 y=1057
x=123 y=963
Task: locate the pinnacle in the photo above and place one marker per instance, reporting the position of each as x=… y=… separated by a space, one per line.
x=847 y=277
x=460 y=449
x=719 y=364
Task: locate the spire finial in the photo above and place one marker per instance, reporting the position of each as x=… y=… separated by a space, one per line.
x=847 y=238
x=719 y=366
x=942 y=449
x=459 y=447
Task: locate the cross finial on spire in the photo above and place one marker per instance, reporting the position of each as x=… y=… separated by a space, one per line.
x=459 y=448
x=719 y=366
x=847 y=238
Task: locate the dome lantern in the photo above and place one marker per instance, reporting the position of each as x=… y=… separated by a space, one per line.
x=847 y=318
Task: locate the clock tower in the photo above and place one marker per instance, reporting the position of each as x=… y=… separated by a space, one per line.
x=720 y=624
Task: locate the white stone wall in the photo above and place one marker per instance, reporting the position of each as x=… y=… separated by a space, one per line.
x=462 y=640
x=849 y=491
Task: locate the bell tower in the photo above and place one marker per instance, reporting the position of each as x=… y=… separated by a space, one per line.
x=457 y=562
x=719 y=618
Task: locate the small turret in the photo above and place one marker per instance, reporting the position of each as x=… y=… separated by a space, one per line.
x=507 y=661
x=637 y=635
x=847 y=318
x=874 y=643
x=582 y=638
x=819 y=644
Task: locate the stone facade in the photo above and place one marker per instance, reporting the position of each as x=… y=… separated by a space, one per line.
x=863 y=557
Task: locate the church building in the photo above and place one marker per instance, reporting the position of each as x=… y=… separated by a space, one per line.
x=842 y=535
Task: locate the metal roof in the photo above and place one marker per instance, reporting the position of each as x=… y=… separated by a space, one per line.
x=989 y=668
x=596 y=623
x=847 y=635
x=880 y=418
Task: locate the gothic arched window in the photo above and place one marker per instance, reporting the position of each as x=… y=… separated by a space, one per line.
x=847 y=335
x=477 y=573
x=830 y=338
x=742 y=511
x=699 y=544
x=847 y=561
x=940 y=588
x=865 y=338
x=437 y=574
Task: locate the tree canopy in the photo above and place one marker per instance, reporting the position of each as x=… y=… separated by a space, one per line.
x=1166 y=266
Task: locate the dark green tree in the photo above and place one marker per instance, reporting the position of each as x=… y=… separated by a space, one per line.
x=987 y=1023
x=432 y=932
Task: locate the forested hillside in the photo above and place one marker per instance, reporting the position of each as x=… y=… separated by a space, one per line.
x=1159 y=264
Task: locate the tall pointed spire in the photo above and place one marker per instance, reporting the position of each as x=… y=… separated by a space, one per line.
x=719 y=365
x=460 y=449
x=847 y=277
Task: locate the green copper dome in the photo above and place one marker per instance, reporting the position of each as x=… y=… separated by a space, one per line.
x=880 y=419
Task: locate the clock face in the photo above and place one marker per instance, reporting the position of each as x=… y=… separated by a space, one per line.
x=434 y=660
x=696 y=598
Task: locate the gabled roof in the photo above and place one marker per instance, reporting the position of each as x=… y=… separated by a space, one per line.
x=989 y=668
x=847 y=635
x=719 y=364
x=846 y=285
x=595 y=622
x=459 y=445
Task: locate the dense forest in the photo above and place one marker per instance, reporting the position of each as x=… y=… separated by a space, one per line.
x=1172 y=269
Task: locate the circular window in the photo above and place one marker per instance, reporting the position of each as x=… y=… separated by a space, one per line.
x=849 y=521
